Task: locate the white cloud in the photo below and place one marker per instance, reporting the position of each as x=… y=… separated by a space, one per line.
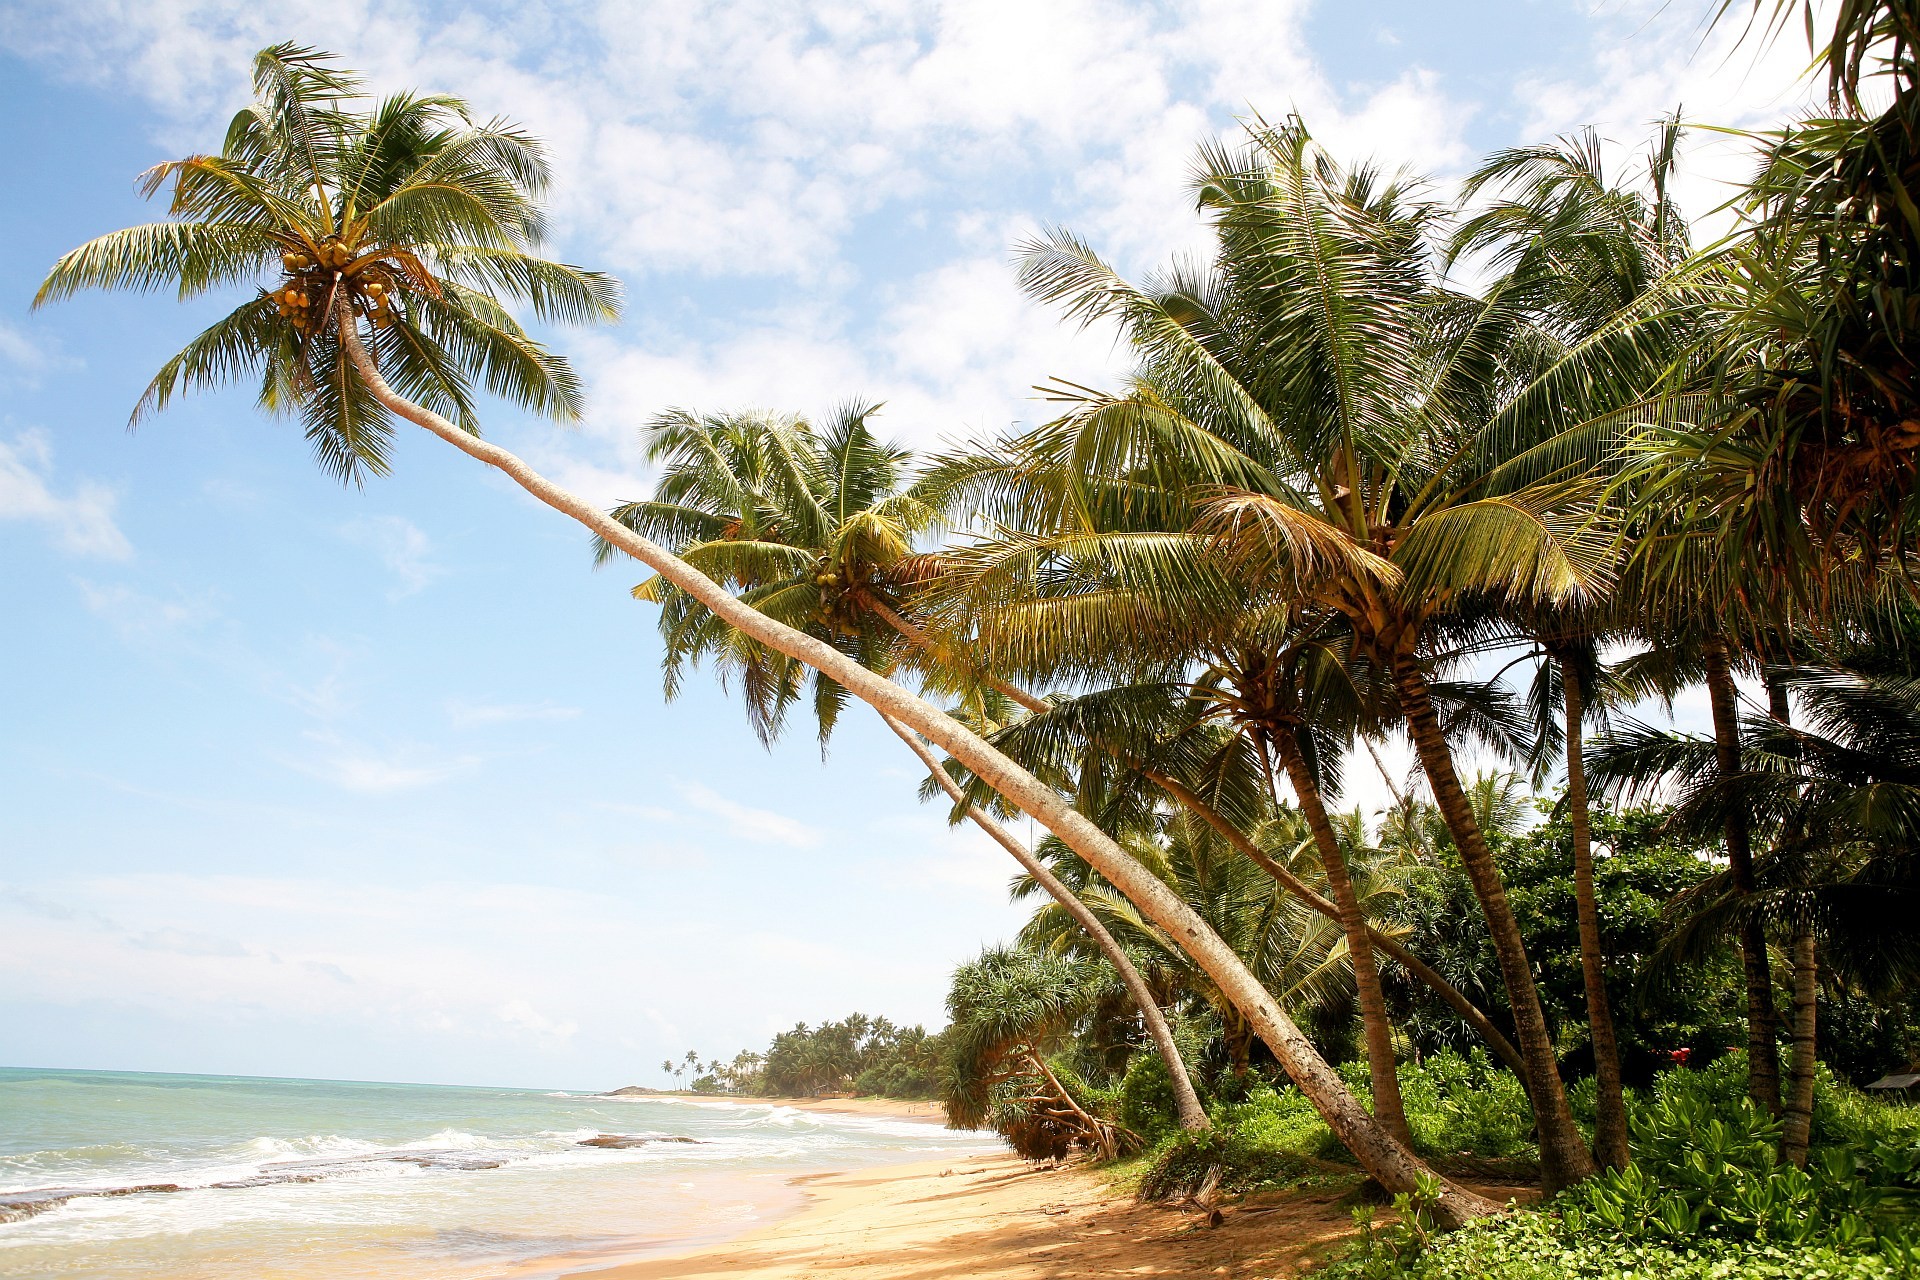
x=357 y=768
x=138 y=616
x=80 y=521
x=747 y=823
x=402 y=546
x=28 y=357
x=467 y=715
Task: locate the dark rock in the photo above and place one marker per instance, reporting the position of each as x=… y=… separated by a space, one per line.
x=625 y=1141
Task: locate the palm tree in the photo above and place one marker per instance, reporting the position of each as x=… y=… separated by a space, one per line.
x=1841 y=798
x=1353 y=437
x=1593 y=250
x=818 y=529
x=291 y=164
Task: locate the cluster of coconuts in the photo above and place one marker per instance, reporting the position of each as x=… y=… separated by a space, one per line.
x=311 y=278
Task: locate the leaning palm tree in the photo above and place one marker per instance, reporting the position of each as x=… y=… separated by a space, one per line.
x=292 y=173
x=817 y=527
x=1317 y=414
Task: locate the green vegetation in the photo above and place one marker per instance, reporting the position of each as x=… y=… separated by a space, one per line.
x=1491 y=474
x=859 y=1055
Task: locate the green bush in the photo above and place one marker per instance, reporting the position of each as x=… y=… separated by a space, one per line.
x=1537 y=1246
x=1184 y=1161
x=1466 y=1106
x=1146 y=1098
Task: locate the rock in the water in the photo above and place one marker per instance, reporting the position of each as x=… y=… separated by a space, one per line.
x=625 y=1141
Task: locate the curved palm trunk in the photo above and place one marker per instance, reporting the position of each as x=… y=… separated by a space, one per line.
x=1806 y=995
x=1388 y=946
x=1610 y=1108
x=1186 y=1102
x=1564 y=1155
x=1763 y=1062
x=1391 y=1164
x=1387 y=1106
x=1419 y=969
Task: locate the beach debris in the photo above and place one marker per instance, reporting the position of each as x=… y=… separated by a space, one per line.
x=1056 y=1209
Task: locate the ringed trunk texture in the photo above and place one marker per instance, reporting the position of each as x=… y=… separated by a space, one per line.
x=1610 y=1108
x=1387 y=1106
x=1383 y=943
x=1419 y=969
x=1806 y=994
x=1564 y=1155
x=1391 y=1164
x=1186 y=1102
x=1763 y=1062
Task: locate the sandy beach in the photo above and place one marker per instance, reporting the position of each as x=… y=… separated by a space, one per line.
x=995 y=1216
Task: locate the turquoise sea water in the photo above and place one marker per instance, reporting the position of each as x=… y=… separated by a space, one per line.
x=294 y=1178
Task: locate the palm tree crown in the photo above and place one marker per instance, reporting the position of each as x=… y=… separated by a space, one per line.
x=406 y=217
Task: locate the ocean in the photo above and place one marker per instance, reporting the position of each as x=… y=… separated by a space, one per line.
x=133 y=1176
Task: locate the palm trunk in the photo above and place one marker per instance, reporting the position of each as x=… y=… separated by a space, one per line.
x=1763 y=1063
x=1799 y=1111
x=1419 y=969
x=1564 y=1155
x=1186 y=1102
x=1388 y=946
x=1610 y=1108
x=1391 y=1164
x=1387 y=1106
x=1104 y=1147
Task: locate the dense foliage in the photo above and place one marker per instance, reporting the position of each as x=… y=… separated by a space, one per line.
x=858 y=1055
x=1705 y=1197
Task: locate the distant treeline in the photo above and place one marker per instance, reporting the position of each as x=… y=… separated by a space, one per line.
x=858 y=1054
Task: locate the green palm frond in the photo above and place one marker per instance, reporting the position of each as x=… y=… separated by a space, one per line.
x=402 y=218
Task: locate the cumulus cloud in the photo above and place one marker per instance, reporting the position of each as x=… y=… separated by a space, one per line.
x=80 y=519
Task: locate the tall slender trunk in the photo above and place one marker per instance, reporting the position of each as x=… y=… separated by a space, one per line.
x=1388 y=946
x=1806 y=995
x=1610 y=1108
x=1419 y=969
x=1387 y=1106
x=1186 y=1102
x=1391 y=1164
x=1763 y=1062
x=1564 y=1155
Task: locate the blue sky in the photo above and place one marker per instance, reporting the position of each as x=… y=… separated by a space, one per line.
x=300 y=780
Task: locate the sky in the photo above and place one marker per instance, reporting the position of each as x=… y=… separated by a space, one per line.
x=379 y=783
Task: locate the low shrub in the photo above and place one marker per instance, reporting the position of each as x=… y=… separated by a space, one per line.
x=1537 y=1246
x=1464 y=1105
x=1182 y=1165
x=1146 y=1098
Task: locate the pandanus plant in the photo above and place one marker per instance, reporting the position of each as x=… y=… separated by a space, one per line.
x=471 y=218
